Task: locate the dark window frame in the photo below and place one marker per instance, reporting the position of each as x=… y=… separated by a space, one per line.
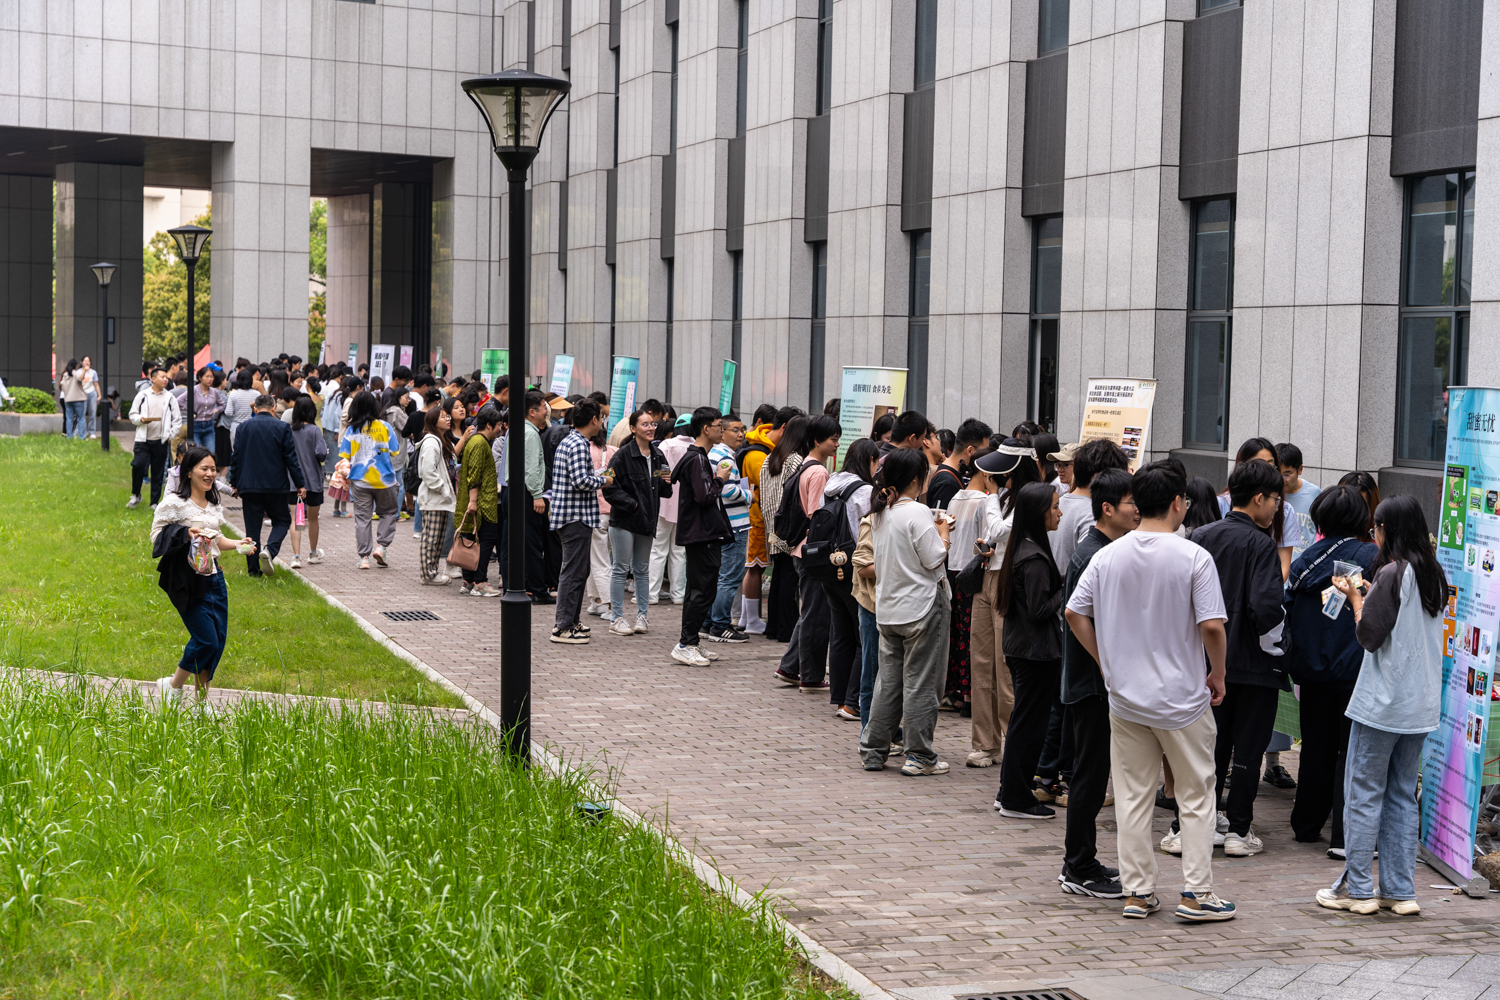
x=1214 y=6
x=1042 y=336
x=742 y=82
x=824 y=91
x=924 y=65
x=737 y=322
x=918 y=322
x=818 y=331
x=1195 y=315
x=1045 y=42
x=673 y=29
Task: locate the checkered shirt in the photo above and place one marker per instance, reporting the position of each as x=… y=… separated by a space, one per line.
x=575 y=486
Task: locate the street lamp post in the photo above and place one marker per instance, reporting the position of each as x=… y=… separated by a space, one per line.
x=105 y=273
x=516 y=106
x=190 y=241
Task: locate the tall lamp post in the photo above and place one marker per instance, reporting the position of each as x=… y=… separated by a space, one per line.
x=190 y=241
x=516 y=106
x=105 y=273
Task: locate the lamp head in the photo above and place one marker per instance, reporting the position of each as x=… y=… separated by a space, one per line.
x=104 y=272
x=190 y=241
x=516 y=106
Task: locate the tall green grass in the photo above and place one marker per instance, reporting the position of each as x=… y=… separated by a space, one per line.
x=290 y=850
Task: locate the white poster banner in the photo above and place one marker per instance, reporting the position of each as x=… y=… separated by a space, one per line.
x=868 y=394
x=1119 y=410
x=382 y=361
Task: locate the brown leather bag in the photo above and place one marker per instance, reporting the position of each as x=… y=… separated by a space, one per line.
x=464 y=553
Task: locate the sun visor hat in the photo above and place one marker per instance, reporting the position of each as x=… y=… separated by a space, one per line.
x=1004 y=459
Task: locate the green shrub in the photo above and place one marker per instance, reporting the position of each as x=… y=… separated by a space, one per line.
x=28 y=400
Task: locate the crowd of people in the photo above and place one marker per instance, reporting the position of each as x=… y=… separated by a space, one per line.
x=1093 y=622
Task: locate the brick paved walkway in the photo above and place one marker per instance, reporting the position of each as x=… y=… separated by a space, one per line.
x=916 y=882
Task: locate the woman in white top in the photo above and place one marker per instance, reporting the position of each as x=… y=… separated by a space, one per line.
x=195 y=505
x=74 y=398
x=241 y=404
x=911 y=609
x=90 y=379
x=437 y=471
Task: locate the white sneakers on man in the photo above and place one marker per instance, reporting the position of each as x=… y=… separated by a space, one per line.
x=691 y=655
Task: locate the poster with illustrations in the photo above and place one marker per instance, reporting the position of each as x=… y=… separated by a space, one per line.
x=1119 y=410
x=868 y=394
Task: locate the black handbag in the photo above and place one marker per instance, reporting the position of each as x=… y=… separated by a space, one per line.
x=971 y=578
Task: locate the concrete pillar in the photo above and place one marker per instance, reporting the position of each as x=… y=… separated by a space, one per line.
x=100 y=213
x=348 y=276
x=26 y=281
x=391 y=265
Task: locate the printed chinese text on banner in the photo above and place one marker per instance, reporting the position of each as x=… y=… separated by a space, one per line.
x=868 y=394
x=1119 y=409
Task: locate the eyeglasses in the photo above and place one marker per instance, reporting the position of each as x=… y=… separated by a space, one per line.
x=1126 y=503
x=1187 y=502
x=645 y=423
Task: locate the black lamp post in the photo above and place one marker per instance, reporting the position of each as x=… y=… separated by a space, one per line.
x=190 y=241
x=516 y=106
x=105 y=273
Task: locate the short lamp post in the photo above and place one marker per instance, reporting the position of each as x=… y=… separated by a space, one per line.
x=516 y=106
x=190 y=241
x=105 y=273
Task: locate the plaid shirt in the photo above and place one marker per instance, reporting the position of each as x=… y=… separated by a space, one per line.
x=575 y=487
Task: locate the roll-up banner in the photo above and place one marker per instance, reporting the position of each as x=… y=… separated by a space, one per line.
x=1119 y=410
x=382 y=361
x=868 y=394
x=493 y=362
x=562 y=374
x=726 y=386
x=622 y=387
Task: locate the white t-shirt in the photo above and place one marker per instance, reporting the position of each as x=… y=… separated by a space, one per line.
x=1147 y=593
x=909 y=561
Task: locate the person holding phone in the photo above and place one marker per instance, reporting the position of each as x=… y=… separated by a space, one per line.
x=641 y=479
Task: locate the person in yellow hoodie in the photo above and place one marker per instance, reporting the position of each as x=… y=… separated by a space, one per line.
x=758 y=444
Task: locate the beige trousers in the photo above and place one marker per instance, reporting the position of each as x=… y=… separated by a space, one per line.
x=989 y=679
x=1135 y=764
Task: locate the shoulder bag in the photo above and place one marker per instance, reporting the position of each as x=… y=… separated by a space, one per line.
x=464 y=552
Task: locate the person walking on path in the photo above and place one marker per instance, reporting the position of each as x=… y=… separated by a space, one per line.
x=367 y=445
x=240 y=404
x=437 y=468
x=311 y=451
x=477 y=483
x=264 y=470
x=208 y=406
x=186 y=539
x=574 y=516
x=702 y=529
x=736 y=496
x=534 y=530
x=912 y=605
x=75 y=401
x=1397 y=701
x=156 y=418
x=641 y=481
x=1148 y=609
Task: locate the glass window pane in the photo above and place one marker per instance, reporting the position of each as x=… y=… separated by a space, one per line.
x=1204 y=387
x=1204 y=6
x=1047 y=267
x=820 y=280
x=1212 y=248
x=1460 y=373
x=1467 y=253
x=921 y=272
x=1431 y=240
x=916 y=364
x=1052 y=29
x=1422 y=388
x=737 y=304
x=926 y=68
x=1042 y=394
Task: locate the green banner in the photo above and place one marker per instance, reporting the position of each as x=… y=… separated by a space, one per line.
x=493 y=362
x=726 y=386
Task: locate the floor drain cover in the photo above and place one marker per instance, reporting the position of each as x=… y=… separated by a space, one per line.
x=411 y=616
x=1022 y=995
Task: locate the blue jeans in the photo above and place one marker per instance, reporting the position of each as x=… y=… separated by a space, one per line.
x=731 y=575
x=203 y=435
x=74 y=415
x=869 y=652
x=628 y=553
x=91 y=412
x=1380 y=812
x=208 y=626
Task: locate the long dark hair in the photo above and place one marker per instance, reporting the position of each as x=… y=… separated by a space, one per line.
x=1370 y=490
x=364 y=410
x=900 y=469
x=858 y=458
x=1252 y=447
x=190 y=460
x=1205 y=507
x=304 y=412
x=1406 y=539
x=793 y=442
x=1029 y=521
x=1024 y=474
x=430 y=427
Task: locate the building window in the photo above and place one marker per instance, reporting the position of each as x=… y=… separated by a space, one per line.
x=1046 y=303
x=1433 y=351
x=671 y=311
x=825 y=57
x=673 y=29
x=916 y=324
x=1205 y=403
x=611 y=313
x=1052 y=27
x=742 y=105
x=926 y=62
x=737 y=325
x=819 y=336
x=1209 y=6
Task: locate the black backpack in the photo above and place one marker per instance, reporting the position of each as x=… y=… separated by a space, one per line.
x=751 y=448
x=790 y=523
x=827 y=556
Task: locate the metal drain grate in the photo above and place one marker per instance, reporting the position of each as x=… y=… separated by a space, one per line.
x=1023 y=995
x=411 y=616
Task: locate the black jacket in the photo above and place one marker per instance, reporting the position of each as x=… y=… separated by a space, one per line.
x=1322 y=649
x=1250 y=577
x=185 y=586
x=1080 y=672
x=700 y=512
x=1032 y=627
x=635 y=496
x=264 y=457
x=552 y=435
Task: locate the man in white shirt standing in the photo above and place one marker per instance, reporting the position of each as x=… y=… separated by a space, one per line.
x=1147 y=608
x=156 y=418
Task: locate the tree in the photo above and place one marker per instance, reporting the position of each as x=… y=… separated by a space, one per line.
x=164 y=298
x=317 y=259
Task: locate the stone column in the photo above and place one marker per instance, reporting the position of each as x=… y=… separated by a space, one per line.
x=348 y=276
x=26 y=282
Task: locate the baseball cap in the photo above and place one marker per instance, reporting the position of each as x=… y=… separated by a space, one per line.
x=1064 y=454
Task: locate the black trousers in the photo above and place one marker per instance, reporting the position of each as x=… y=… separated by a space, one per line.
x=1245 y=718
x=488 y=536
x=702 y=587
x=1090 y=726
x=1320 y=775
x=552 y=547
x=1038 y=685
x=224 y=451
x=258 y=507
x=150 y=455
x=781 y=609
x=1058 y=748
x=536 y=540
x=843 y=645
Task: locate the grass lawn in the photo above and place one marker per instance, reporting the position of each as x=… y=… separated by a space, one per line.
x=281 y=851
x=78 y=586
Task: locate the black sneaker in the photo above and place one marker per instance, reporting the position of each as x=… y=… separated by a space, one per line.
x=1098 y=886
x=543 y=599
x=570 y=635
x=1279 y=777
x=1036 y=811
x=722 y=633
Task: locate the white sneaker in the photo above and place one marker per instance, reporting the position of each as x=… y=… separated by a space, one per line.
x=596 y=608
x=314 y=557
x=1221 y=827
x=979 y=758
x=621 y=627
x=133 y=502
x=690 y=655
x=640 y=624
x=296 y=562
x=1172 y=843
x=169 y=694
x=1236 y=846
x=441 y=580
x=266 y=565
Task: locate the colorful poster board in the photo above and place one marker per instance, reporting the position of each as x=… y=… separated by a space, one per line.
x=1119 y=409
x=726 y=386
x=562 y=374
x=404 y=355
x=382 y=361
x=1468 y=550
x=353 y=355
x=623 y=380
x=867 y=395
x=493 y=362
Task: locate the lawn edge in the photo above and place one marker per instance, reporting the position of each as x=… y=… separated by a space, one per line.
x=712 y=879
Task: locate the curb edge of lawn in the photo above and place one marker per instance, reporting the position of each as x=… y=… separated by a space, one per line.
x=824 y=960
